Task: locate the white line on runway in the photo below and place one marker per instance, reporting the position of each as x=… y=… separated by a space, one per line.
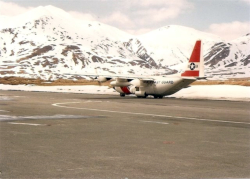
x=155 y=122
x=145 y=114
x=3 y=111
x=28 y=124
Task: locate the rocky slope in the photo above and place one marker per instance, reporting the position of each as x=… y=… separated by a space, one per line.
x=229 y=59
x=47 y=42
x=172 y=45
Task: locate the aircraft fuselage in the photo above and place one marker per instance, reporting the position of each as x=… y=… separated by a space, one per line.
x=161 y=86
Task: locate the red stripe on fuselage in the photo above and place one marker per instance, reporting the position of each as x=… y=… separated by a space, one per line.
x=190 y=73
x=125 y=90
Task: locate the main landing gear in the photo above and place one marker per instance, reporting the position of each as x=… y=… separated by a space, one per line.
x=145 y=96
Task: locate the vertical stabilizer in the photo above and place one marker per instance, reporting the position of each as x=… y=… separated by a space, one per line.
x=195 y=67
x=201 y=74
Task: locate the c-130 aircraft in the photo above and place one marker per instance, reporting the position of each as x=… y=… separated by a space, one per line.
x=158 y=86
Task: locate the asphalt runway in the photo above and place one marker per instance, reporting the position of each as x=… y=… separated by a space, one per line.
x=63 y=135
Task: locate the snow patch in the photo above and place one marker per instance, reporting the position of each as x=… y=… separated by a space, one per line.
x=213 y=92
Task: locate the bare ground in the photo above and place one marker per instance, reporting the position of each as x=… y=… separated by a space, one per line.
x=66 y=82
x=40 y=82
x=235 y=81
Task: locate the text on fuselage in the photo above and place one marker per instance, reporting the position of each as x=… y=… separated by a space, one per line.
x=158 y=82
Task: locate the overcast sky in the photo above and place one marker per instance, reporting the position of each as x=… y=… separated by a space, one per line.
x=227 y=18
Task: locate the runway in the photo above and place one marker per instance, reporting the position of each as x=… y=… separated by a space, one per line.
x=66 y=135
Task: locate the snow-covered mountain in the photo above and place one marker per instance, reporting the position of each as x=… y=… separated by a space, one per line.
x=47 y=42
x=229 y=59
x=171 y=46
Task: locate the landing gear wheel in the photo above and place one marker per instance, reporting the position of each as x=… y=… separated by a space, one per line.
x=122 y=94
x=145 y=95
x=158 y=97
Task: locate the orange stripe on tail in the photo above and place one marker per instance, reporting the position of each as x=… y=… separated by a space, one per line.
x=195 y=57
x=193 y=68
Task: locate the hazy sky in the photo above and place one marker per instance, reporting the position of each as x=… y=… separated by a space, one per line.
x=227 y=18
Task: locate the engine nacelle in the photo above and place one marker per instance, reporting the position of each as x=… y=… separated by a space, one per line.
x=119 y=84
x=102 y=79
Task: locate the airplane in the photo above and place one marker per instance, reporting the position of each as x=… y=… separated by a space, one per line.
x=158 y=86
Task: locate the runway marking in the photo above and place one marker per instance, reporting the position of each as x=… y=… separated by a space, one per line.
x=57 y=116
x=155 y=122
x=3 y=111
x=28 y=124
x=145 y=114
x=205 y=108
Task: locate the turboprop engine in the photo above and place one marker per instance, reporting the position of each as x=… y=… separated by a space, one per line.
x=102 y=79
x=121 y=86
x=138 y=89
x=125 y=87
x=120 y=83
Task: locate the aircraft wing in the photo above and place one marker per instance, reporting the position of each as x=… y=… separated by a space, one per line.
x=116 y=77
x=146 y=79
x=128 y=77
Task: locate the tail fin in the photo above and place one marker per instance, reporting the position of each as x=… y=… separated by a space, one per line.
x=195 y=67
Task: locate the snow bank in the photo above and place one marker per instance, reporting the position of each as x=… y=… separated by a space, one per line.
x=213 y=92
x=90 y=89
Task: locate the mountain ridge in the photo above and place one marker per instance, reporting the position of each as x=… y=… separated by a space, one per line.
x=46 y=46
